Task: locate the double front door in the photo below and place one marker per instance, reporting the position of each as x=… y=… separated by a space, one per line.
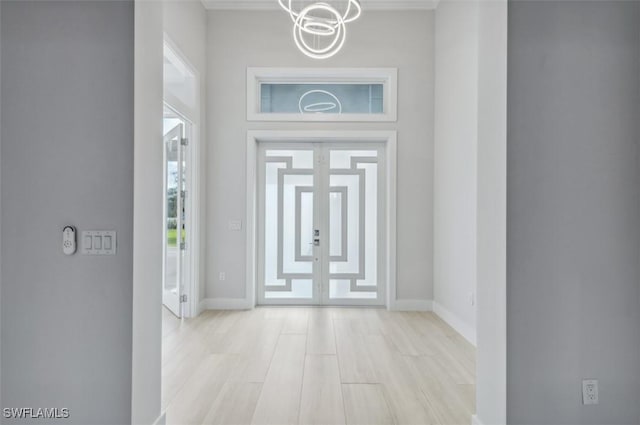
x=321 y=235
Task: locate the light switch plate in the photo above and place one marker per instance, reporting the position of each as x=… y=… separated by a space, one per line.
x=99 y=242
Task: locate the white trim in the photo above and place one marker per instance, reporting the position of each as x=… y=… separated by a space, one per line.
x=367 y=4
x=413 y=305
x=391 y=192
x=225 y=304
x=475 y=420
x=255 y=136
x=388 y=77
x=460 y=326
x=172 y=52
x=162 y=419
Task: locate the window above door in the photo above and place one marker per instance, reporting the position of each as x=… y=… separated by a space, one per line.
x=322 y=94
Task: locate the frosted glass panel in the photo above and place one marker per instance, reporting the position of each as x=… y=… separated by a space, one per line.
x=354 y=273
x=299 y=159
x=300 y=288
x=341 y=289
x=345 y=98
x=271 y=224
x=288 y=223
x=351 y=263
x=290 y=265
x=337 y=208
x=370 y=224
x=342 y=158
x=306 y=224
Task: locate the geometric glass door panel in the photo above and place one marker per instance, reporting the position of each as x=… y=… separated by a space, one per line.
x=320 y=214
x=353 y=186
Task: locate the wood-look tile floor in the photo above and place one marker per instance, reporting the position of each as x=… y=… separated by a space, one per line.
x=316 y=366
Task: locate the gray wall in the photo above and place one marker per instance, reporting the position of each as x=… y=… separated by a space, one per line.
x=573 y=220
x=0 y=206
x=403 y=40
x=67 y=158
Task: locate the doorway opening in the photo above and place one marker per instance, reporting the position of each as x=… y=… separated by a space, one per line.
x=176 y=212
x=181 y=121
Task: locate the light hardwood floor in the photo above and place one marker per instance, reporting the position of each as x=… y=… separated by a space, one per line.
x=316 y=366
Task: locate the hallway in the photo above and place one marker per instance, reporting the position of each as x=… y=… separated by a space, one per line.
x=316 y=366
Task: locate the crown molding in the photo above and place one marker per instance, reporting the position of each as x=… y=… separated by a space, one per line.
x=366 y=4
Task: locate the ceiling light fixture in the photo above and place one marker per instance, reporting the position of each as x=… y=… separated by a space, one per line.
x=319 y=28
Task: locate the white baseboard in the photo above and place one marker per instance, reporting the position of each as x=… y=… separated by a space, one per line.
x=468 y=332
x=224 y=304
x=162 y=419
x=412 y=305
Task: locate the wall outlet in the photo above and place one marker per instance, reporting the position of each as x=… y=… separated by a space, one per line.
x=589 y=391
x=222 y=276
x=235 y=225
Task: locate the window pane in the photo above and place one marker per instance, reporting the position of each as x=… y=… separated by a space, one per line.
x=288 y=98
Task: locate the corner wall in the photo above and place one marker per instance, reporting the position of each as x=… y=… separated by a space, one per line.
x=455 y=165
x=147 y=212
x=67 y=158
x=491 y=319
x=573 y=211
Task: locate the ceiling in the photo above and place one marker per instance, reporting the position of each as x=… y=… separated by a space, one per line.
x=366 y=4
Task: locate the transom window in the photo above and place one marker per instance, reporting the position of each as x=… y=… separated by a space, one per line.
x=323 y=94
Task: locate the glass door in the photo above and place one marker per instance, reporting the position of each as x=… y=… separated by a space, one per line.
x=289 y=251
x=321 y=224
x=354 y=218
x=174 y=234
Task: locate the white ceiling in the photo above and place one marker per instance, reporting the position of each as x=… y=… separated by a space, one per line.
x=366 y=4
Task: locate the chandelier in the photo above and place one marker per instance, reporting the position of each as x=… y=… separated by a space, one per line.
x=319 y=27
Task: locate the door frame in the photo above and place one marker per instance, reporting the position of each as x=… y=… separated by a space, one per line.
x=386 y=137
x=192 y=115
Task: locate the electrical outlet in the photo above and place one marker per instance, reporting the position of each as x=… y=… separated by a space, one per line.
x=589 y=391
x=222 y=276
x=235 y=225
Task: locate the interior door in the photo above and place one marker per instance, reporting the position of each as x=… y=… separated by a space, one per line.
x=321 y=224
x=174 y=230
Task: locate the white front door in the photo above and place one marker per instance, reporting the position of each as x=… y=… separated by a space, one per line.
x=321 y=233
